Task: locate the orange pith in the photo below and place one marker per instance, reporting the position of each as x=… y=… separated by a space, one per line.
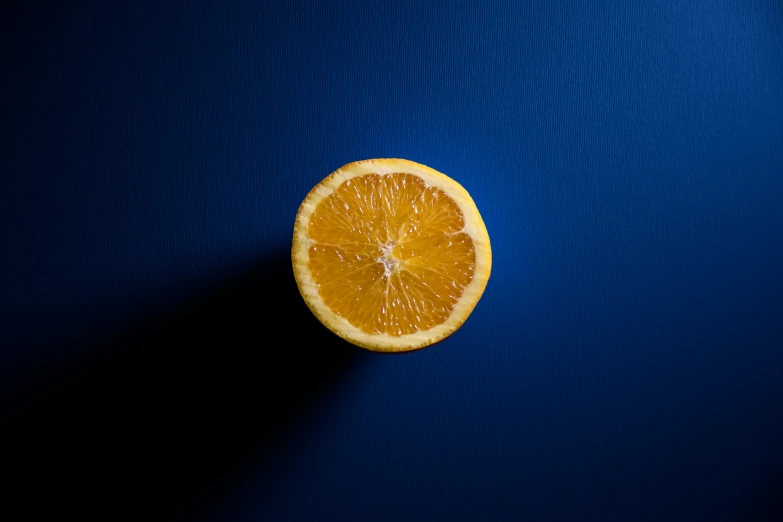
x=389 y=253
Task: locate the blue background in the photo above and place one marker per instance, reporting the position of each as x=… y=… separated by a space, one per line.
x=625 y=362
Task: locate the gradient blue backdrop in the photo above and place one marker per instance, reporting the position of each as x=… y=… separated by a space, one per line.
x=625 y=362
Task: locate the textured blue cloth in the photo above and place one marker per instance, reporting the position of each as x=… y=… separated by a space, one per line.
x=625 y=362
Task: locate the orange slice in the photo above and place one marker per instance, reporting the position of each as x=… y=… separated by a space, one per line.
x=390 y=255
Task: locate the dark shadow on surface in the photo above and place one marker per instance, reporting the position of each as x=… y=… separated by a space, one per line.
x=161 y=428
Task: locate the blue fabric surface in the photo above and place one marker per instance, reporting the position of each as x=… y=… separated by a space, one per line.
x=625 y=362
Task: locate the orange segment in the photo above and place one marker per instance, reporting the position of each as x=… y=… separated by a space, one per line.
x=390 y=254
x=351 y=214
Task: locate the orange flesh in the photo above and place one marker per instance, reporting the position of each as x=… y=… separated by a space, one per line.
x=389 y=254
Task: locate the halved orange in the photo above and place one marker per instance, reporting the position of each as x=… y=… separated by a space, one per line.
x=390 y=255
